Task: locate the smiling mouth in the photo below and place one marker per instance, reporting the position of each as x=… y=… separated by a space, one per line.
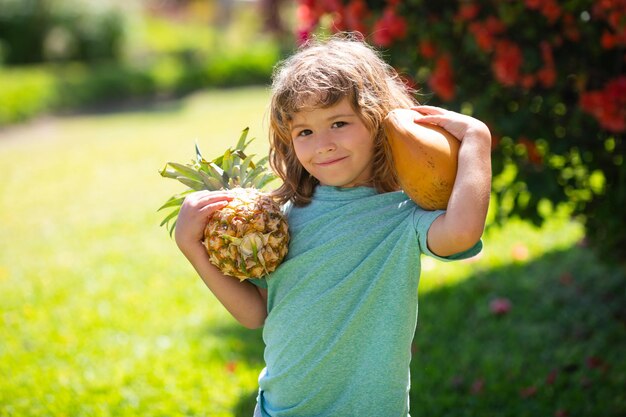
x=330 y=162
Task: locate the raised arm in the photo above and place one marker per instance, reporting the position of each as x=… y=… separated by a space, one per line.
x=462 y=225
x=246 y=302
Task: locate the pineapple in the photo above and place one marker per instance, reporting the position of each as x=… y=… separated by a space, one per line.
x=249 y=237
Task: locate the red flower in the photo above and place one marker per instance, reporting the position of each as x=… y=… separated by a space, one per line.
x=617 y=20
x=306 y=15
x=528 y=81
x=495 y=139
x=507 y=62
x=478 y=386
x=329 y=6
x=485 y=32
x=500 y=306
x=483 y=38
x=608 y=40
x=355 y=14
x=389 y=28
x=467 y=11
x=519 y=251
x=546 y=53
x=307 y=19
x=547 y=76
x=381 y=36
x=427 y=49
x=551 y=378
x=531 y=150
x=607 y=106
x=494 y=25
x=231 y=367
x=533 y=4
x=594 y=362
x=614 y=13
x=591 y=102
x=566 y=279
x=528 y=391
x=570 y=30
x=442 y=79
x=551 y=10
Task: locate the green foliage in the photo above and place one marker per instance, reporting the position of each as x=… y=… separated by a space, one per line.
x=546 y=76
x=79 y=85
x=30 y=91
x=165 y=37
x=158 y=58
x=25 y=93
x=101 y=316
x=35 y=31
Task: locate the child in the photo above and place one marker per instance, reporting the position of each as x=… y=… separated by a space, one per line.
x=340 y=313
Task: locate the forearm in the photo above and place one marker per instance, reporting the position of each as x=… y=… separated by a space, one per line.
x=462 y=225
x=469 y=202
x=242 y=299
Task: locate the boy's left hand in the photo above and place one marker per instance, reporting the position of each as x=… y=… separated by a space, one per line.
x=459 y=125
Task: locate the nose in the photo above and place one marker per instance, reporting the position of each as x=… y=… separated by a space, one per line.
x=325 y=143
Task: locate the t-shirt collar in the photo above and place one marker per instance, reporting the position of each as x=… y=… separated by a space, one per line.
x=326 y=192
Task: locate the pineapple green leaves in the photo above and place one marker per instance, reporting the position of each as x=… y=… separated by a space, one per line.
x=231 y=170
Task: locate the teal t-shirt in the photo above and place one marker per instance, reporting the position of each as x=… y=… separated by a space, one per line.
x=342 y=307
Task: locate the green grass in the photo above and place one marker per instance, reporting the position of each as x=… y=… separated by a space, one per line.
x=100 y=315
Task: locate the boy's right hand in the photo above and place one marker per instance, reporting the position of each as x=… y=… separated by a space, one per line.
x=194 y=216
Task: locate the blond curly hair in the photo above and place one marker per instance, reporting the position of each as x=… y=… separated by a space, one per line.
x=320 y=74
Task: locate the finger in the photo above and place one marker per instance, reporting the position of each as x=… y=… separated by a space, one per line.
x=433 y=120
x=211 y=196
x=212 y=207
x=219 y=193
x=429 y=110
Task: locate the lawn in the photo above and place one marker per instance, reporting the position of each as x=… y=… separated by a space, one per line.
x=101 y=316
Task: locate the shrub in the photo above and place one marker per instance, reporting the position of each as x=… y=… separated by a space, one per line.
x=25 y=93
x=35 y=31
x=79 y=85
x=546 y=76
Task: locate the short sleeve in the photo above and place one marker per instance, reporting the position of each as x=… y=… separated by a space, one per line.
x=422 y=221
x=259 y=282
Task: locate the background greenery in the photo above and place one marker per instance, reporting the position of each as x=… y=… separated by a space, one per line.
x=546 y=76
x=150 y=56
x=100 y=315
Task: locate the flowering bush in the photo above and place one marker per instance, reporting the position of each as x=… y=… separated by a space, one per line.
x=547 y=77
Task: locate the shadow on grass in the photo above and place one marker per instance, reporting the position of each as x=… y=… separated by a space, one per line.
x=544 y=338
x=245 y=406
x=556 y=350
x=243 y=345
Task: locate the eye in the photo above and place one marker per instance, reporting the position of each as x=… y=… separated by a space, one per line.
x=305 y=132
x=339 y=124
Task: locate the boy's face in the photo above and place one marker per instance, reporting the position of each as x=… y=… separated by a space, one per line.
x=334 y=145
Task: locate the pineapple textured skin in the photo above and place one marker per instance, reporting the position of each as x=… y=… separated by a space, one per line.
x=249 y=237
